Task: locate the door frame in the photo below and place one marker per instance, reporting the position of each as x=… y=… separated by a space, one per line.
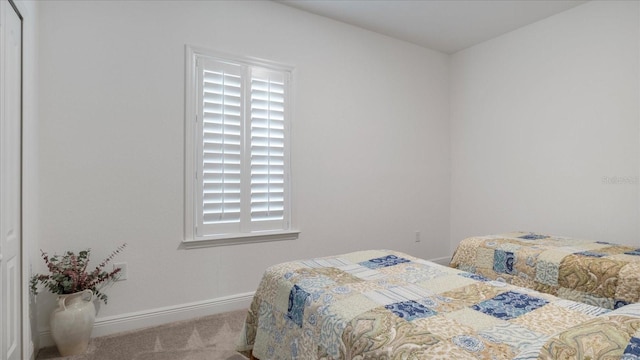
x=23 y=288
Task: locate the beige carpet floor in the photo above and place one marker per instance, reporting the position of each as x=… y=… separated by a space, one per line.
x=206 y=338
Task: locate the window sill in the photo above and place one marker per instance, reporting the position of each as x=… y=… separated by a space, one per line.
x=238 y=239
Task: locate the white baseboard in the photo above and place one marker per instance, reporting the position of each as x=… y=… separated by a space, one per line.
x=441 y=260
x=142 y=319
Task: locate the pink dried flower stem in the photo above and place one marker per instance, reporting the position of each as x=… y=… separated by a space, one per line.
x=68 y=273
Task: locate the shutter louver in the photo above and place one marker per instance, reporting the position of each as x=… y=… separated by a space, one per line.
x=222 y=146
x=267 y=146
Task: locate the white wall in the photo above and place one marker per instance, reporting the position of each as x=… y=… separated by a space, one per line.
x=539 y=117
x=371 y=160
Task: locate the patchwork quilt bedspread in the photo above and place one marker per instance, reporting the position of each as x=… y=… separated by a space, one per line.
x=383 y=304
x=593 y=272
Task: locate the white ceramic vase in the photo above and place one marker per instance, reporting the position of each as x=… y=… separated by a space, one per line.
x=71 y=323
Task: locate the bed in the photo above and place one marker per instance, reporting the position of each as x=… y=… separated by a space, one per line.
x=381 y=304
x=594 y=272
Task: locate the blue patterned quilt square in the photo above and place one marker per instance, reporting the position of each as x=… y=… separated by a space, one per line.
x=620 y=303
x=297 y=300
x=591 y=254
x=632 y=351
x=504 y=261
x=635 y=252
x=389 y=260
x=473 y=276
x=509 y=305
x=533 y=236
x=410 y=310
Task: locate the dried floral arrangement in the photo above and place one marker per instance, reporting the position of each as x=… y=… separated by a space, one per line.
x=68 y=273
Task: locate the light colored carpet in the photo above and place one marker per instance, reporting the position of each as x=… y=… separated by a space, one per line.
x=206 y=338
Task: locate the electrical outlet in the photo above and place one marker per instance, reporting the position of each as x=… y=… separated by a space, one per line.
x=122 y=275
x=418 y=236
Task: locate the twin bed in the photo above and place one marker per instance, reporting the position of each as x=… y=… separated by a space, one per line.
x=382 y=304
x=593 y=272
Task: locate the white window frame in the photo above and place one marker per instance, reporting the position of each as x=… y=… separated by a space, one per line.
x=194 y=236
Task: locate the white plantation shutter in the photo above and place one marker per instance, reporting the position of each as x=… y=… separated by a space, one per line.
x=241 y=156
x=267 y=147
x=222 y=112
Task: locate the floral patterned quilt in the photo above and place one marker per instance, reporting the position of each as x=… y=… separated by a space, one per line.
x=593 y=272
x=381 y=304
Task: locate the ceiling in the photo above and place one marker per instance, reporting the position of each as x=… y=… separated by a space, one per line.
x=444 y=25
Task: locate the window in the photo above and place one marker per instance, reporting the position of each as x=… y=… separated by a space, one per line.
x=237 y=150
